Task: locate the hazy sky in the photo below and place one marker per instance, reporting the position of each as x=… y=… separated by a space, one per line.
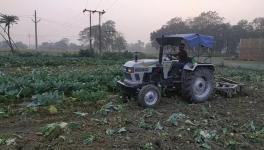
x=134 y=18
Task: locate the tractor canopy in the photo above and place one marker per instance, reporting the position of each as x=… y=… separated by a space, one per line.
x=193 y=40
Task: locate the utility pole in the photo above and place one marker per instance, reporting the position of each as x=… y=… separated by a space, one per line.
x=29 y=41
x=90 y=36
x=36 y=28
x=100 y=29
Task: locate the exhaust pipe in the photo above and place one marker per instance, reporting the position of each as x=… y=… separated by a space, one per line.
x=136 y=56
x=161 y=49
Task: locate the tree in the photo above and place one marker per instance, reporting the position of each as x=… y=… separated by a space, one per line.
x=227 y=36
x=120 y=43
x=8 y=21
x=206 y=19
x=258 y=24
x=62 y=44
x=174 y=26
x=136 y=47
x=4 y=45
x=21 y=45
x=111 y=39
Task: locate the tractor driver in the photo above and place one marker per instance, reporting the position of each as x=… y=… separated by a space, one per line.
x=182 y=57
x=182 y=54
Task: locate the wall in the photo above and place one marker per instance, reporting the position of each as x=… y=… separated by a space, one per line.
x=251 y=49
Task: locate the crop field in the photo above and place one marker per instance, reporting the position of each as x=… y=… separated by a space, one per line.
x=56 y=102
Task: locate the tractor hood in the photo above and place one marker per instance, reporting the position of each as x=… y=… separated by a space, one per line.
x=142 y=63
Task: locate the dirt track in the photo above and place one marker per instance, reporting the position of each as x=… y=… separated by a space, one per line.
x=230 y=118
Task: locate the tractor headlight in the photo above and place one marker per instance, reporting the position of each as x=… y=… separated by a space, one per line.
x=130 y=70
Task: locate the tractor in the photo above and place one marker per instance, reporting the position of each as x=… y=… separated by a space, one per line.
x=149 y=79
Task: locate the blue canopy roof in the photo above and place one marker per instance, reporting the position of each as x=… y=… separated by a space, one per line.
x=193 y=40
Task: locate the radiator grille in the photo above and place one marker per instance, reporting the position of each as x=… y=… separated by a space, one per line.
x=128 y=76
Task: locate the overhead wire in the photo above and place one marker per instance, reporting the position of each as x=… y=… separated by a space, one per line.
x=98 y=4
x=64 y=24
x=112 y=5
x=86 y=3
x=76 y=17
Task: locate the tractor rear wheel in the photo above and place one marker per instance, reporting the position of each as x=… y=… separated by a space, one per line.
x=198 y=86
x=149 y=96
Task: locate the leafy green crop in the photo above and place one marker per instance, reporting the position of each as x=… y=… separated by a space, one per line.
x=48 y=80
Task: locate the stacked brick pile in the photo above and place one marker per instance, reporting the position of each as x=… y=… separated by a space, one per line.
x=251 y=49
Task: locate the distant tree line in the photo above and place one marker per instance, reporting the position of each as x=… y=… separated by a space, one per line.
x=5 y=46
x=140 y=46
x=63 y=44
x=227 y=35
x=112 y=40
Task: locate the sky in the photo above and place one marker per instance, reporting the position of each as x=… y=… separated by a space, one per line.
x=136 y=19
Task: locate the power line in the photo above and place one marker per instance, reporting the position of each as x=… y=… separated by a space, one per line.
x=60 y=23
x=111 y=6
x=46 y=35
x=99 y=4
x=86 y=3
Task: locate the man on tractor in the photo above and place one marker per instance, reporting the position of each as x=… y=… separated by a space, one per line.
x=182 y=58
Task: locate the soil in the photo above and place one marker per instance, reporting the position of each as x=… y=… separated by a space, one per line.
x=229 y=117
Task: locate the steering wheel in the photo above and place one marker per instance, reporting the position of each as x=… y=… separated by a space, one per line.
x=171 y=57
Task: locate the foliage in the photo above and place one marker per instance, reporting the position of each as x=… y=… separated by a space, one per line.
x=149 y=112
x=202 y=137
x=89 y=139
x=253 y=77
x=111 y=38
x=117 y=55
x=8 y=21
x=4 y=112
x=40 y=59
x=61 y=45
x=81 y=114
x=57 y=77
x=144 y=125
x=87 y=53
x=148 y=146
x=84 y=95
x=54 y=129
x=111 y=132
x=211 y=23
x=110 y=107
x=4 y=140
x=175 y=117
x=46 y=98
x=159 y=126
x=74 y=125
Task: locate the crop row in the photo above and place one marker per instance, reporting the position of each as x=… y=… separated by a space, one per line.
x=47 y=84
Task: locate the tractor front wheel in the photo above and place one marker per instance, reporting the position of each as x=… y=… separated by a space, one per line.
x=149 y=96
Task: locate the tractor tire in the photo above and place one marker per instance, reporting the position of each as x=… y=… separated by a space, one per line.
x=198 y=86
x=149 y=96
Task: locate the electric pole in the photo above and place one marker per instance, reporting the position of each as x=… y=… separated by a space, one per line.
x=100 y=28
x=36 y=21
x=90 y=36
x=29 y=41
